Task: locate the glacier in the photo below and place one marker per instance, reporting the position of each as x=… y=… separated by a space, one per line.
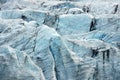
x=59 y=39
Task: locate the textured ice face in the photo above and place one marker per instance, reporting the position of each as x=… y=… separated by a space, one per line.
x=59 y=40
x=74 y=24
x=17 y=65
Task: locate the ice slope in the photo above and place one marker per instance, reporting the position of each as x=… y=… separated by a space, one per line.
x=59 y=40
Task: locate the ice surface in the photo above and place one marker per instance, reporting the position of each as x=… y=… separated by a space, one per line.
x=59 y=40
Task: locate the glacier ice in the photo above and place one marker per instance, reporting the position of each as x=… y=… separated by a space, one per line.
x=59 y=40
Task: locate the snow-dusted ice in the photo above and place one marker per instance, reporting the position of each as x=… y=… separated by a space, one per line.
x=59 y=39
